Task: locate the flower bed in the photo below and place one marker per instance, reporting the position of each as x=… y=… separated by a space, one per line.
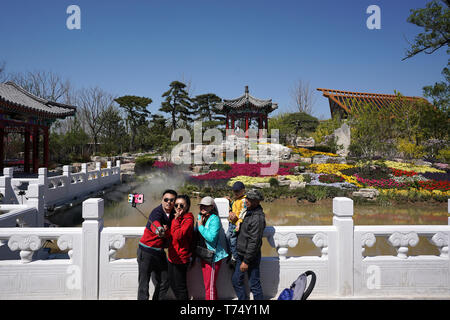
x=382 y=183
x=309 y=153
x=163 y=164
x=245 y=169
x=248 y=181
x=330 y=178
x=435 y=185
x=399 y=173
x=411 y=167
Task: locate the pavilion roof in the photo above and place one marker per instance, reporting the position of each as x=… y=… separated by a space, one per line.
x=247 y=101
x=14 y=98
x=346 y=100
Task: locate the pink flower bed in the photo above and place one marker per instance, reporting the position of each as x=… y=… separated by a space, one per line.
x=245 y=169
x=162 y=164
x=382 y=183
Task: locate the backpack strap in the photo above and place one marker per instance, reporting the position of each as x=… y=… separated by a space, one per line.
x=312 y=283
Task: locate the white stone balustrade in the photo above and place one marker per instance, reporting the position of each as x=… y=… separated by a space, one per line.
x=92 y=270
x=53 y=191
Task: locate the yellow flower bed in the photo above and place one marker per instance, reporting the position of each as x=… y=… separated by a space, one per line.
x=411 y=167
x=309 y=153
x=411 y=191
x=330 y=168
x=248 y=181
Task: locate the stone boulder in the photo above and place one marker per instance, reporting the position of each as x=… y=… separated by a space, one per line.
x=342 y=135
x=297 y=184
x=366 y=193
x=261 y=185
x=304 y=142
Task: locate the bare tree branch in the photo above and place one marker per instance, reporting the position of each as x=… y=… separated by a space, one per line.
x=303 y=97
x=93 y=102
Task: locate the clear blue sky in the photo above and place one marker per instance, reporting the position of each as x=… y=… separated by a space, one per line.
x=138 y=47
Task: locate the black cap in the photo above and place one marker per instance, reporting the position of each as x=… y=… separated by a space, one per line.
x=238 y=185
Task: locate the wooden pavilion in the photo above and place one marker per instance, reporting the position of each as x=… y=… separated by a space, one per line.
x=24 y=113
x=342 y=102
x=247 y=107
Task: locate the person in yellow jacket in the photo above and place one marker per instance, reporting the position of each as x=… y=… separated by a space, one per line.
x=236 y=215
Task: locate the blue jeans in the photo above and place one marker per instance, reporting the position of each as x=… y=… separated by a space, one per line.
x=253 y=279
x=232 y=240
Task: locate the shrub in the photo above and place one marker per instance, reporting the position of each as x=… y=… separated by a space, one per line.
x=444 y=155
x=220 y=166
x=143 y=164
x=274 y=182
x=410 y=150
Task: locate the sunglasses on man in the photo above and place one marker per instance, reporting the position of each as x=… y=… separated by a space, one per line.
x=169 y=199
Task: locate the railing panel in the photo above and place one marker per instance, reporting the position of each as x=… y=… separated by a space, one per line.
x=402 y=274
x=32 y=278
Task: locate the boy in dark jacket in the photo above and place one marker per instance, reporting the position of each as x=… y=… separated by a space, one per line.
x=151 y=256
x=249 y=244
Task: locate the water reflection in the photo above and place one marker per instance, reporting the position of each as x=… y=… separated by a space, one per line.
x=282 y=212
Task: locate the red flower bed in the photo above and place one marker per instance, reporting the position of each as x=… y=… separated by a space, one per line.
x=245 y=169
x=382 y=183
x=435 y=185
x=162 y=164
x=330 y=178
x=399 y=173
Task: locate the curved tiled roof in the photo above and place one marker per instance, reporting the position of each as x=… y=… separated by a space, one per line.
x=16 y=99
x=247 y=100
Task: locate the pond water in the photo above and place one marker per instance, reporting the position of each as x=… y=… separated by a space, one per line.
x=281 y=212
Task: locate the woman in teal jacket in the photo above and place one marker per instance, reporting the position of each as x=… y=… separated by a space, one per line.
x=209 y=226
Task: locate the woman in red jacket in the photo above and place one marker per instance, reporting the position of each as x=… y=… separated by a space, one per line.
x=179 y=255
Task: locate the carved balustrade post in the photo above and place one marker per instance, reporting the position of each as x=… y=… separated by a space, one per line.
x=343 y=221
x=91 y=229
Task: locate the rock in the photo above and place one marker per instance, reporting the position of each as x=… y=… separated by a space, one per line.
x=318 y=159
x=197 y=169
x=284 y=183
x=297 y=184
x=340 y=160
x=366 y=193
x=420 y=162
x=342 y=135
x=295 y=157
x=307 y=160
x=304 y=142
x=261 y=185
x=441 y=166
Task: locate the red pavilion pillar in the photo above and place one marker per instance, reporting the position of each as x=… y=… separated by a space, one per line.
x=226 y=122
x=2 y=155
x=260 y=125
x=35 y=149
x=26 y=157
x=46 y=151
x=246 y=125
x=232 y=124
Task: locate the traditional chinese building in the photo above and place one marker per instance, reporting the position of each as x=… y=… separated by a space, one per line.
x=342 y=102
x=24 y=113
x=247 y=107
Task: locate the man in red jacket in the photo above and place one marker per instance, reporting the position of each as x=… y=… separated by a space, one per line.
x=151 y=256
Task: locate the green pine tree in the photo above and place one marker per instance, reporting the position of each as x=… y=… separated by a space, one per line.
x=177 y=104
x=137 y=113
